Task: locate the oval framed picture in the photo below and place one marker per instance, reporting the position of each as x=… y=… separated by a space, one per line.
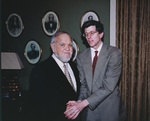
x=33 y=52
x=75 y=50
x=89 y=15
x=50 y=23
x=14 y=25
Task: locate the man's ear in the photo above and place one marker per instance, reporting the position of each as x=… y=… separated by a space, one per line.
x=52 y=45
x=101 y=35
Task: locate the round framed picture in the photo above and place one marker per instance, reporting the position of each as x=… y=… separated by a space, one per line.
x=89 y=15
x=14 y=25
x=75 y=50
x=50 y=23
x=33 y=52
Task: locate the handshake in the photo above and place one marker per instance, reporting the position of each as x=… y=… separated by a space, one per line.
x=74 y=108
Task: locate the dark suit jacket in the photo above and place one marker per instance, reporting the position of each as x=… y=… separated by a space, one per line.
x=102 y=90
x=50 y=91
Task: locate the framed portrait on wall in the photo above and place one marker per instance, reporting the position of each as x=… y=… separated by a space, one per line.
x=14 y=25
x=89 y=15
x=33 y=52
x=50 y=23
x=75 y=50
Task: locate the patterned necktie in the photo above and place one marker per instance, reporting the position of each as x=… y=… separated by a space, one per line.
x=94 y=61
x=68 y=76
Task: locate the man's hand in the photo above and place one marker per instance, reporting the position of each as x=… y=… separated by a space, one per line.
x=74 y=108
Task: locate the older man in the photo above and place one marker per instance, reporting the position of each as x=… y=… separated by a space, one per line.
x=50 y=89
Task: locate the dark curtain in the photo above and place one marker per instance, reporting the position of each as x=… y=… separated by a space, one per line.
x=133 y=38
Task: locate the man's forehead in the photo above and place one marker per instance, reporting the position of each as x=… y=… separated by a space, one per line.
x=90 y=28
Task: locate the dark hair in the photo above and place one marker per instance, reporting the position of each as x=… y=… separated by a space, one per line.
x=97 y=24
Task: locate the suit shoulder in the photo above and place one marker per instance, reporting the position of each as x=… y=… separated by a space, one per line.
x=113 y=49
x=43 y=65
x=84 y=52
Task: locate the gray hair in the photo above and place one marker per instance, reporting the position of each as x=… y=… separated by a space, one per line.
x=57 y=34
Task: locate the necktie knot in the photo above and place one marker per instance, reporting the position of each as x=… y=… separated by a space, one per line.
x=96 y=53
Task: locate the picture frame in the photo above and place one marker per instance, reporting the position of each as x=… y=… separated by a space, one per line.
x=14 y=25
x=75 y=50
x=33 y=52
x=89 y=15
x=50 y=23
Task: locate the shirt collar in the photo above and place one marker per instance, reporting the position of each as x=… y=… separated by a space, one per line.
x=98 y=49
x=57 y=60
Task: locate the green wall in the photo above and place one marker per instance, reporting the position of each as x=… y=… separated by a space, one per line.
x=32 y=12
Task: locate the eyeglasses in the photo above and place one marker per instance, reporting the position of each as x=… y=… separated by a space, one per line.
x=91 y=33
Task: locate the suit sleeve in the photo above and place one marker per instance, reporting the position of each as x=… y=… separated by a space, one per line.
x=83 y=88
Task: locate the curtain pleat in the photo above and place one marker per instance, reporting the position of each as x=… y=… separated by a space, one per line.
x=133 y=38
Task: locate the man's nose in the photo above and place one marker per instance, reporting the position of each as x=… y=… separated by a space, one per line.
x=67 y=47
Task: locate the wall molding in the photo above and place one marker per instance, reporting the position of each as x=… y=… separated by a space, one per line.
x=113 y=22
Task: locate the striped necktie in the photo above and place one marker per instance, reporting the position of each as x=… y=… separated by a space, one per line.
x=68 y=76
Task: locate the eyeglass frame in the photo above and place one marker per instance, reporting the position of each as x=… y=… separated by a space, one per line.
x=91 y=33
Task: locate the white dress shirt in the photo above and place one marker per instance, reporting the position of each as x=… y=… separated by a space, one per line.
x=93 y=51
x=61 y=65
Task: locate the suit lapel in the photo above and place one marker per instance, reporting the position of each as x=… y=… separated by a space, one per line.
x=88 y=68
x=100 y=63
x=76 y=74
x=60 y=73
